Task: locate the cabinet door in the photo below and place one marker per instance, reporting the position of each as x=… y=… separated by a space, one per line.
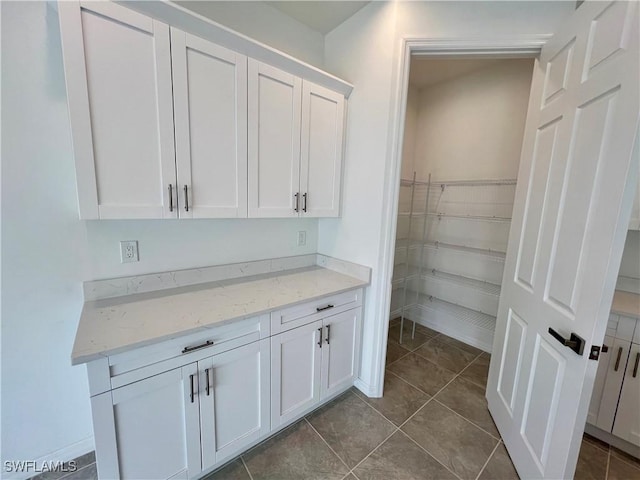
x=118 y=71
x=295 y=372
x=149 y=429
x=234 y=401
x=613 y=383
x=341 y=351
x=210 y=100
x=274 y=141
x=601 y=377
x=627 y=424
x=321 y=151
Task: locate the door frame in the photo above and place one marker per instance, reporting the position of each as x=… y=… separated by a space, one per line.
x=518 y=46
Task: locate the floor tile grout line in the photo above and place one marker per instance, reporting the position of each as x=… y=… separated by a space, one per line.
x=465 y=418
x=495 y=449
x=430 y=454
x=606 y=472
x=327 y=444
x=246 y=467
x=623 y=459
x=396 y=429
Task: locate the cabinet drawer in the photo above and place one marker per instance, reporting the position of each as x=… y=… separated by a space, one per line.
x=143 y=362
x=292 y=317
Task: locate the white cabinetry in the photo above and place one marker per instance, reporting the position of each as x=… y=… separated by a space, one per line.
x=118 y=72
x=210 y=101
x=616 y=392
x=315 y=361
x=166 y=124
x=295 y=145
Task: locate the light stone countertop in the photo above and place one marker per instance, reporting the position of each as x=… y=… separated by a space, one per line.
x=625 y=303
x=115 y=325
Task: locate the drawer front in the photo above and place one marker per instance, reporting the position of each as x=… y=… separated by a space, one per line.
x=293 y=317
x=140 y=363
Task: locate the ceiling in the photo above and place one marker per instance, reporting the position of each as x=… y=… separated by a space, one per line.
x=321 y=16
x=429 y=71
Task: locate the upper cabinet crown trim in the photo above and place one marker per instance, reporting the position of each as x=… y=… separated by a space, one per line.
x=201 y=26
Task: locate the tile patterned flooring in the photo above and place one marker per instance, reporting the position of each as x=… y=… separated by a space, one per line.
x=432 y=423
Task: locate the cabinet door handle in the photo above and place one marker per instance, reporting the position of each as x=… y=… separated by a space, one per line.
x=320 y=309
x=328 y=333
x=186 y=198
x=615 y=368
x=206 y=372
x=197 y=347
x=191 y=382
x=635 y=367
x=297 y=197
x=320 y=337
x=304 y=202
x=170 y=197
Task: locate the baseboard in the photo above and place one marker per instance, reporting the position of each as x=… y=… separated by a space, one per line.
x=470 y=334
x=365 y=388
x=65 y=454
x=612 y=440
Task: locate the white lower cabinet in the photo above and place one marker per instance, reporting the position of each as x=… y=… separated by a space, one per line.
x=615 y=399
x=180 y=408
x=148 y=429
x=313 y=362
x=234 y=401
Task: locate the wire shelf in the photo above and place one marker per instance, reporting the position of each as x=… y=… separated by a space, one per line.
x=483 y=286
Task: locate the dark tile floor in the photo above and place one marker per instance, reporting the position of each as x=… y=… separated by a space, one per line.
x=431 y=423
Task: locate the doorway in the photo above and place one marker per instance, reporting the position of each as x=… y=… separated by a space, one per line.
x=424 y=211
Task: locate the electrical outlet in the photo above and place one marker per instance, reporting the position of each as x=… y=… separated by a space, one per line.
x=302 y=238
x=129 y=251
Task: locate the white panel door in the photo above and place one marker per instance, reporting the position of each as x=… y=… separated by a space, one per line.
x=274 y=108
x=340 y=352
x=210 y=100
x=295 y=372
x=234 y=401
x=627 y=424
x=156 y=427
x=321 y=151
x=572 y=207
x=118 y=71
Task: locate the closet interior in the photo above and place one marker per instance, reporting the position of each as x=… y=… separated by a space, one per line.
x=463 y=134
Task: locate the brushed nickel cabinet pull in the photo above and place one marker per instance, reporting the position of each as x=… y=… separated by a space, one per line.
x=186 y=198
x=328 y=333
x=208 y=343
x=170 y=197
x=206 y=372
x=635 y=367
x=320 y=337
x=615 y=369
x=191 y=382
x=297 y=197
x=304 y=202
x=327 y=307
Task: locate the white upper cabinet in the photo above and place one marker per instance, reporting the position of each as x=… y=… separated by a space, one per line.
x=167 y=124
x=210 y=102
x=321 y=151
x=118 y=72
x=295 y=145
x=274 y=141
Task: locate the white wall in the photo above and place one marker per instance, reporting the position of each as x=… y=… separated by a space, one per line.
x=47 y=252
x=630 y=264
x=266 y=24
x=365 y=50
x=410 y=127
x=471 y=127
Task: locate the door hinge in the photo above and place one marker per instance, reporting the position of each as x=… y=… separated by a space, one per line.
x=595 y=352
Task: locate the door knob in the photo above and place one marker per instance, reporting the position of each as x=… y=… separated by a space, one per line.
x=574 y=342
